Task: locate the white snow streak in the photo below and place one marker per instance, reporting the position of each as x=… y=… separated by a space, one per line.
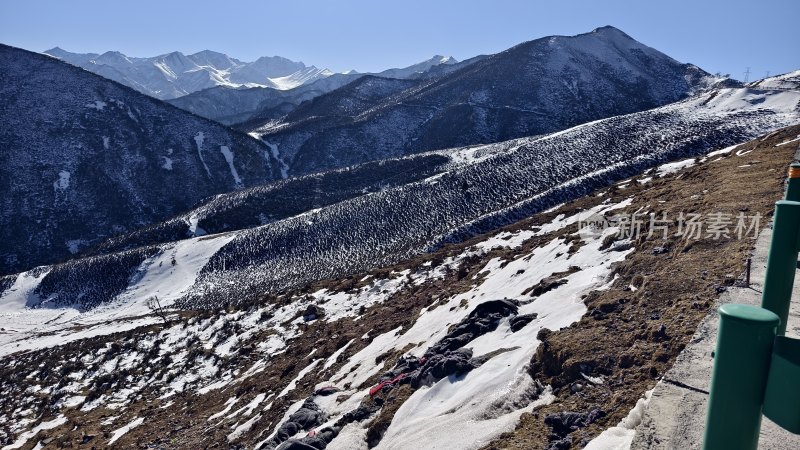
x=228 y=154
x=199 y=138
x=119 y=432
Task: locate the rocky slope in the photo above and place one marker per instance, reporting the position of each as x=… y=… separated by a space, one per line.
x=84 y=158
x=534 y=88
x=535 y=336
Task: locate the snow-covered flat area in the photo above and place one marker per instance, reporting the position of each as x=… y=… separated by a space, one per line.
x=27 y=323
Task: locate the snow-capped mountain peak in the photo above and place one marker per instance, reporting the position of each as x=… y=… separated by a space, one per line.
x=175 y=74
x=214 y=59
x=444 y=59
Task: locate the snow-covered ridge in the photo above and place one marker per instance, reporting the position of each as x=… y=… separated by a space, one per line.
x=790 y=80
x=174 y=74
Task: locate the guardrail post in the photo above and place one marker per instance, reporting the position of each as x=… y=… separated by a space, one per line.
x=738 y=380
x=782 y=396
x=793 y=183
x=782 y=260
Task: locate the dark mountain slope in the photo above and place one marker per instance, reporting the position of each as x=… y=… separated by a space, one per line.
x=534 y=88
x=230 y=106
x=272 y=202
x=351 y=100
x=83 y=158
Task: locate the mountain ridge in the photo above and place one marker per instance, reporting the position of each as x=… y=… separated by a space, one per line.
x=173 y=75
x=243 y=106
x=533 y=88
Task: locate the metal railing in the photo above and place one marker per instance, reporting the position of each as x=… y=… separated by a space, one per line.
x=757 y=368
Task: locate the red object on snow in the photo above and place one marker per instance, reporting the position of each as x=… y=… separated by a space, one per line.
x=380 y=386
x=377 y=388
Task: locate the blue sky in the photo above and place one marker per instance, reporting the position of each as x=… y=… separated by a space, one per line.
x=371 y=35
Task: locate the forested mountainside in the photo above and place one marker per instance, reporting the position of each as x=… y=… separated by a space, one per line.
x=476 y=189
x=84 y=158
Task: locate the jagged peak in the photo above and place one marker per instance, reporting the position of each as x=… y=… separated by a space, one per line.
x=440 y=59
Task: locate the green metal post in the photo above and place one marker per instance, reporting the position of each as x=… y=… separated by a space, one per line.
x=782 y=397
x=793 y=183
x=782 y=261
x=741 y=364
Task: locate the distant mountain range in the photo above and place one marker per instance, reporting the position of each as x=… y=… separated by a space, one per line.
x=244 y=106
x=534 y=88
x=84 y=158
x=174 y=74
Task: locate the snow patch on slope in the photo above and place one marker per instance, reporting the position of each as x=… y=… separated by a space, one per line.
x=119 y=432
x=673 y=167
x=29 y=328
x=228 y=154
x=98 y=105
x=621 y=436
x=277 y=156
x=199 y=138
x=62 y=183
x=158 y=276
x=23 y=439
